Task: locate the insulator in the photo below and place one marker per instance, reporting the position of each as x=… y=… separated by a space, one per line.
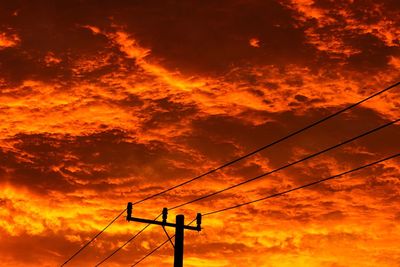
x=198 y=220
x=164 y=214
x=129 y=211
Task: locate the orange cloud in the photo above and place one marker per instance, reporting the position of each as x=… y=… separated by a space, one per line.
x=8 y=40
x=254 y=42
x=51 y=59
x=111 y=116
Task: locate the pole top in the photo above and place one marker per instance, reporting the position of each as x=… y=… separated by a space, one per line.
x=180 y=218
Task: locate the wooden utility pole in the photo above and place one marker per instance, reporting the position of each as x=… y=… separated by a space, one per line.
x=179 y=226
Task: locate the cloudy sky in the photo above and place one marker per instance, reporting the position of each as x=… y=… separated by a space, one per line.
x=105 y=102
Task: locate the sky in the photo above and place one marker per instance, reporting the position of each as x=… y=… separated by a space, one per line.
x=106 y=102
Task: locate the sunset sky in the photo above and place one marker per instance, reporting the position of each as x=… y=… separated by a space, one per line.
x=106 y=102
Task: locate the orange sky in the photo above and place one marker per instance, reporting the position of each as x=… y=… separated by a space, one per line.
x=105 y=102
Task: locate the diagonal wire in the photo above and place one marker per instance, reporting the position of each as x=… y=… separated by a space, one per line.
x=277 y=195
x=126 y=243
x=287 y=165
x=169 y=237
x=151 y=252
x=238 y=159
x=270 y=144
x=93 y=238
x=156 y=248
x=303 y=186
x=284 y=167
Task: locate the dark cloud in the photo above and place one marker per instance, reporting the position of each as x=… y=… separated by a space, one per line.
x=209 y=38
x=212 y=37
x=56 y=161
x=374 y=53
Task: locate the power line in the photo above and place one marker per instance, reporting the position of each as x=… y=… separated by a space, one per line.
x=286 y=166
x=93 y=238
x=303 y=186
x=269 y=145
x=279 y=194
x=276 y=170
x=238 y=159
x=126 y=243
x=273 y=143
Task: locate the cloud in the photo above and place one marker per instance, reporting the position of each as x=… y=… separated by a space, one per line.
x=8 y=40
x=105 y=103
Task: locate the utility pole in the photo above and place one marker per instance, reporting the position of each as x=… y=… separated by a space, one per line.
x=179 y=226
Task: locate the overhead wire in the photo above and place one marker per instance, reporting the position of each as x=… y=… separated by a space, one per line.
x=236 y=160
x=279 y=194
x=287 y=165
x=261 y=176
x=126 y=243
x=302 y=186
x=93 y=238
x=270 y=144
x=296 y=188
x=151 y=252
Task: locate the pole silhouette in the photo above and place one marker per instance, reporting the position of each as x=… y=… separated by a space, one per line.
x=179 y=226
x=179 y=235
